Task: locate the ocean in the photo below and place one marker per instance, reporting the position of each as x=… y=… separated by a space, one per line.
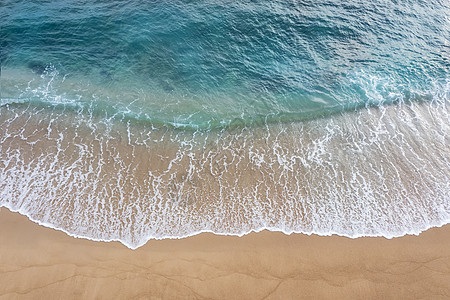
x=137 y=120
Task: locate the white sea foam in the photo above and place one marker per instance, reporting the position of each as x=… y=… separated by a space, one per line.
x=381 y=171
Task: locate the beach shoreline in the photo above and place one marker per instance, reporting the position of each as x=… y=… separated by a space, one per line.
x=136 y=183
x=224 y=150
x=37 y=262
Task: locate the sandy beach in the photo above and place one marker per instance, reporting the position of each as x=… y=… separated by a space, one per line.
x=38 y=262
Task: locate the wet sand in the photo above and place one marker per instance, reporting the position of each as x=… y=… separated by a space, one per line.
x=42 y=263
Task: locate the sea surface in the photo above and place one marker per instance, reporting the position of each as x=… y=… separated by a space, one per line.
x=137 y=120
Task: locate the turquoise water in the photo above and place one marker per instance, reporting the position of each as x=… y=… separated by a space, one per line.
x=208 y=63
x=136 y=120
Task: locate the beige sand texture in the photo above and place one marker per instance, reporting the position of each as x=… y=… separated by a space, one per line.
x=42 y=263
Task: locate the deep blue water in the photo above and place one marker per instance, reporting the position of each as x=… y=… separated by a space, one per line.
x=209 y=63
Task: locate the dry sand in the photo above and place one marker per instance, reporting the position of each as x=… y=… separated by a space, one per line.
x=42 y=263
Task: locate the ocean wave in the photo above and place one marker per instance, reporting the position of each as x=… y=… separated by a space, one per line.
x=51 y=90
x=382 y=171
